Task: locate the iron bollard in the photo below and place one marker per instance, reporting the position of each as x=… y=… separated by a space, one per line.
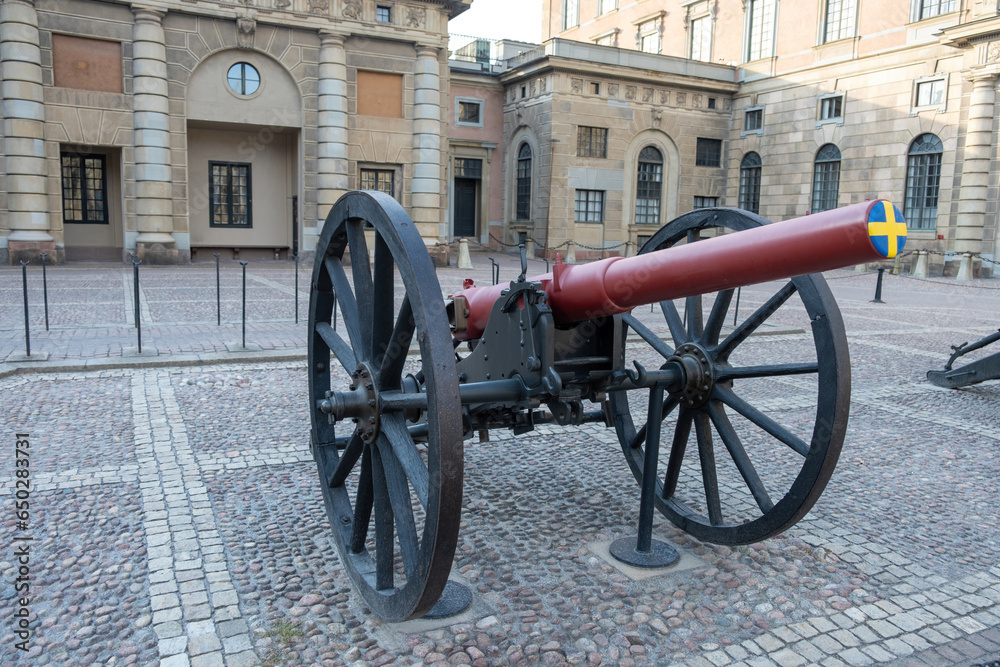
x=546 y=265
x=45 y=292
x=244 y=265
x=27 y=329
x=736 y=311
x=878 y=287
x=296 y=288
x=218 y=293
x=138 y=312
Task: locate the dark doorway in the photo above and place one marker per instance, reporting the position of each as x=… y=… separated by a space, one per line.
x=465 y=206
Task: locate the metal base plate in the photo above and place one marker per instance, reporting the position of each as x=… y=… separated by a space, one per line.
x=455 y=599
x=660 y=554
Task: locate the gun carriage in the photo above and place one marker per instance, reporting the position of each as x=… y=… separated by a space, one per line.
x=389 y=423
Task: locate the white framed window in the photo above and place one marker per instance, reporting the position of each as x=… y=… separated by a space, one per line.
x=701 y=39
x=839 y=22
x=760 y=29
x=607 y=38
x=571 y=14
x=830 y=109
x=648 y=36
x=925 y=9
x=753 y=121
x=931 y=93
x=469 y=111
x=605 y=6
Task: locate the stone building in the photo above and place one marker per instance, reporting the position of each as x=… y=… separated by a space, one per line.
x=833 y=102
x=177 y=125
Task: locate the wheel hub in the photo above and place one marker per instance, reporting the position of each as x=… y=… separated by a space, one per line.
x=699 y=380
x=361 y=403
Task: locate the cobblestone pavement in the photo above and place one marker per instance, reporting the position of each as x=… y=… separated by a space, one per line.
x=177 y=520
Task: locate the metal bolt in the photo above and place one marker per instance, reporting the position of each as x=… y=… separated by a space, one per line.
x=369 y=385
x=353 y=387
x=371 y=420
x=321 y=367
x=487 y=376
x=345 y=520
x=371 y=401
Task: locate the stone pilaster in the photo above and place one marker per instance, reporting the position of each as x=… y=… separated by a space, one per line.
x=153 y=177
x=25 y=166
x=332 y=130
x=979 y=140
x=425 y=185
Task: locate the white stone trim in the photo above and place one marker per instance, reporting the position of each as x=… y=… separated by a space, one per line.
x=915 y=108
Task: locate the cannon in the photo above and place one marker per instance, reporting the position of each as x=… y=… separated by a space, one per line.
x=407 y=376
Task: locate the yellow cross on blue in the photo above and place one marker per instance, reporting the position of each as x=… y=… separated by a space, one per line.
x=887 y=229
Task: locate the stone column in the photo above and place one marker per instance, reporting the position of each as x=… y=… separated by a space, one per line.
x=24 y=134
x=425 y=185
x=979 y=141
x=332 y=150
x=151 y=123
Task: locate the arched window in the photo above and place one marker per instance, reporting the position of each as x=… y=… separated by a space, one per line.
x=923 y=182
x=826 y=178
x=523 y=207
x=649 y=187
x=750 y=183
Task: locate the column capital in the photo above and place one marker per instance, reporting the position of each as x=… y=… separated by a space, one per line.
x=984 y=75
x=425 y=51
x=331 y=38
x=145 y=13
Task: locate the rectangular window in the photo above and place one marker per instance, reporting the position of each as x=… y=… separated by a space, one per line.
x=929 y=8
x=605 y=6
x=648 y=194
x=608 y=39
x=589 y=206
x=571 y=14
x=706 y=202
x=378 y=179
x=592 y=141
x=469 y=113
x=595 y=88
x=649 y=37
x=468 y=168
x=383 y=14
x=923 y=183
x=839 y=19
x=701 y=39
x=84 y=188
x=709 y=153
x=826 y=186
x=930 y=93
x=831 y=108
x=753 y=120
x=760 y=29
x=230 y=194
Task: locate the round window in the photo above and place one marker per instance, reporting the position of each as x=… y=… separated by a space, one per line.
x=243 y=78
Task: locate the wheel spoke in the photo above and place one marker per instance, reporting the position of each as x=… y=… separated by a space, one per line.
x=384 y=552
x=345 y=298
x=693 y=316
x=668 y=406
x=732 y=441
x=399 y=498
x=647 y=335
x=361 y=270
x=728 y=397
x=395 y=431
x=715 y=319
x=345 y=355
x=383 y=304
x=706 y=452
x=347 y=461
x=765 y=371
x=677 y=448
x=673 y=318
x=362 y=504
x=751 y=324
x=390 y=374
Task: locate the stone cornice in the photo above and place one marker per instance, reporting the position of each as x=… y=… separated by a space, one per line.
x=968 y=34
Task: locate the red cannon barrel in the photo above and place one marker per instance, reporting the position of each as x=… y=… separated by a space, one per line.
x=855 y=234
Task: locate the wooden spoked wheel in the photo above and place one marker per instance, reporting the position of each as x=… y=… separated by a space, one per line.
x=747 y=453
x=392 y=488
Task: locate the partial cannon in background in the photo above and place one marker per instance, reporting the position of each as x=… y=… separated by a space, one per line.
x=752 y=442
x=974 y=372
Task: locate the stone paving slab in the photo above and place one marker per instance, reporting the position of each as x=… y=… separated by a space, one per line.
x=178 y=519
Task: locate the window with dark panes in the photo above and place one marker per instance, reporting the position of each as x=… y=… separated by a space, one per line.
x=523 y=204
x=706 y=202
x=929 y=8
x=468 y=168
x=649 y=187
x=229 y=192
x=383 y=14
x=750 y=182
x=708 y=153
x=378 y=179
x=826 y=179
x=592 y=141
x=589 y=206
x=753 y=119
x=923 y=182
x=468 y=112
x=831 y=107
x=84 y=188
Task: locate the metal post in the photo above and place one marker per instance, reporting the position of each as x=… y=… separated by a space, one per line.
x=27 y=329
x=45 y=292
x=138 y=317
x=296 y=288
x=878 y=287
x=546 y=265
x=736 y=312
x=218 y=293
x=244 y=265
